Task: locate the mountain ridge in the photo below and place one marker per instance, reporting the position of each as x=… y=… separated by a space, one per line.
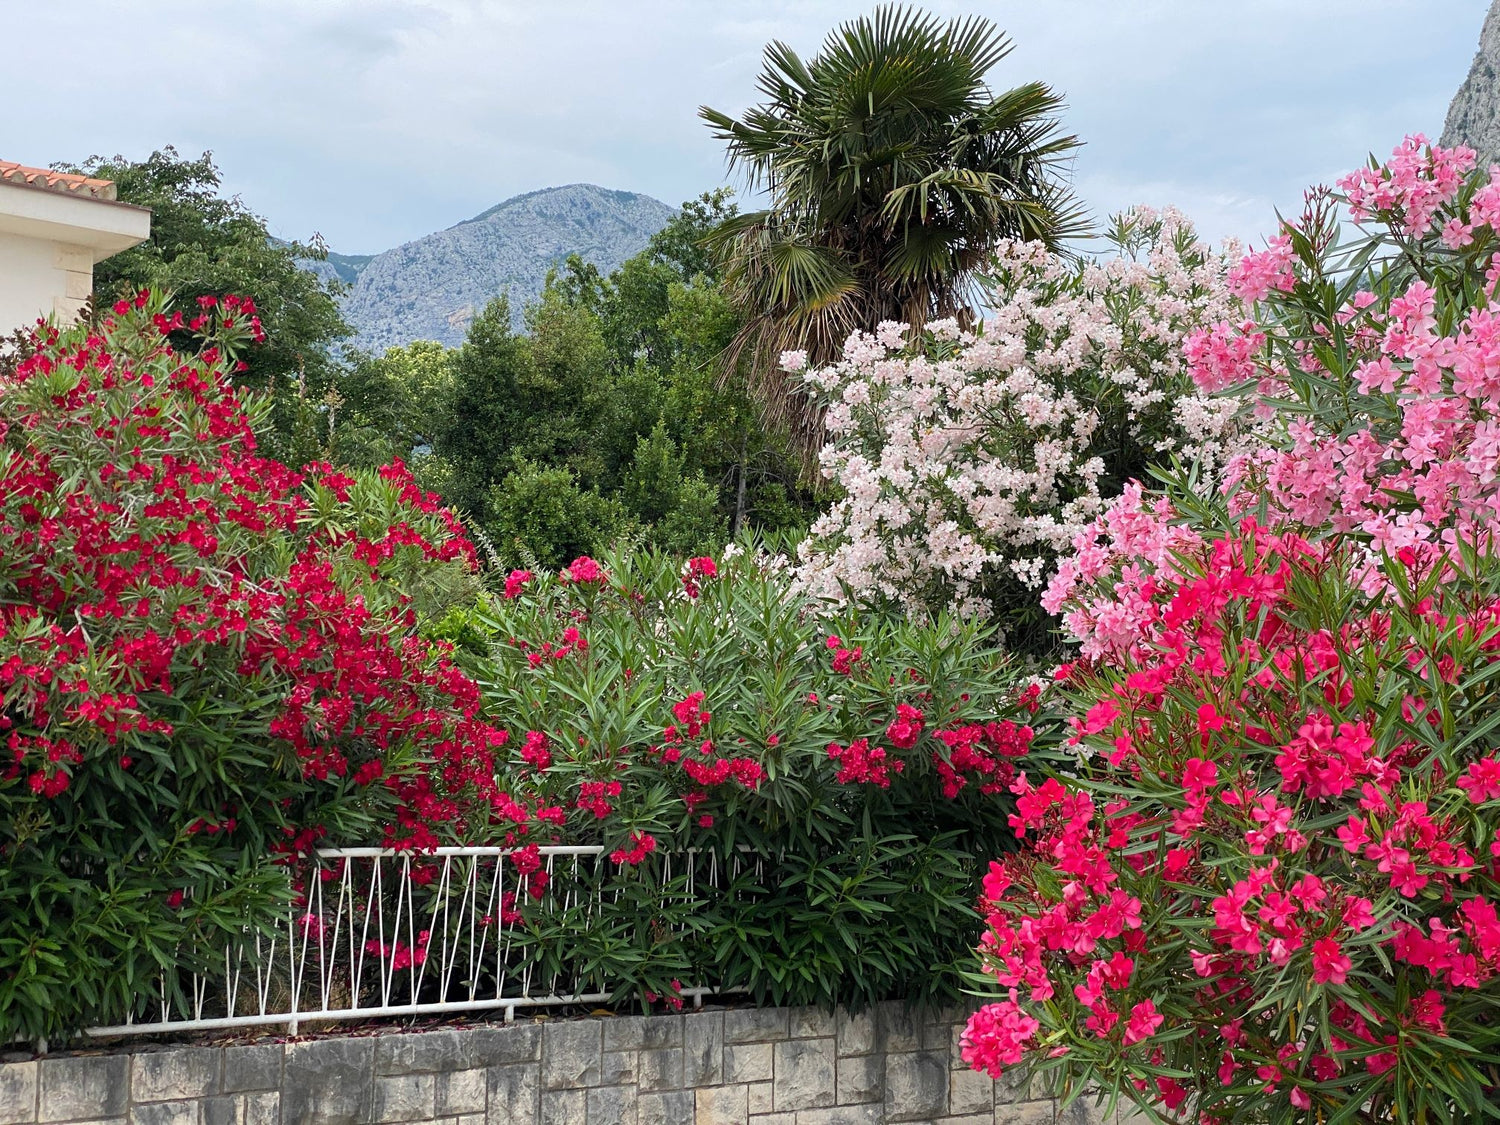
x=431 y=287
x=1474 y=114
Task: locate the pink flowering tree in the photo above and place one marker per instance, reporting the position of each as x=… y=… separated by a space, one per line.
x=1270 y=890
x=966 y=461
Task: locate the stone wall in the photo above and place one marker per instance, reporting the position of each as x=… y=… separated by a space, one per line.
x=739 y=1066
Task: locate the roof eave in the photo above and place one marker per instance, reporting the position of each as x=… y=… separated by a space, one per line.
x=101 y=226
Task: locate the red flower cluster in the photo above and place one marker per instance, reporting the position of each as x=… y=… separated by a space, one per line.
x=858 y=763
x=156 y=561
x=982 y=751
x=1260 y=790
x=642 y=844
x=585 y=570
x=906 y=727
x=694 y=572
x=844 y=659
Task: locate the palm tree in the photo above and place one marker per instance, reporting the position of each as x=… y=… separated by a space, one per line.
x=892 y=170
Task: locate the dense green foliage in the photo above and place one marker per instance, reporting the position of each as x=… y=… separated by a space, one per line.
x=203 y=243
x=892 y=170
x=853 y=886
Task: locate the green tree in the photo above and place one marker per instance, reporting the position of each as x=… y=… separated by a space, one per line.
x=537 y=397
x=542 y=514
x=390 y=406
x=666 y=322
x=892 y=170
x=203 y=244
x=632 y=301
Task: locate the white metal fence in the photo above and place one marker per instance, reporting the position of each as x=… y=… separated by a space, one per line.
x=379 y=933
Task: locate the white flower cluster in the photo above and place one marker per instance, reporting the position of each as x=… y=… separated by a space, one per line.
x=968 y=460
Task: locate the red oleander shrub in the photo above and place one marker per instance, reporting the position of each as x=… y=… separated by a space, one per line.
x=854 y=768
x=206 y=657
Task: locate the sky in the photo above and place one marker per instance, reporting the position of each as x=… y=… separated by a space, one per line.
x=374 y=122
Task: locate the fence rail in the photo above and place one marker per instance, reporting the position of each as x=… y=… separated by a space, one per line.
x=378 y=933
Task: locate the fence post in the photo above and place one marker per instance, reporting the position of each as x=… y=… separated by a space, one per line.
x=293 y=976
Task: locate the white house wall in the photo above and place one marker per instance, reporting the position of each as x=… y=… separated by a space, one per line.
x=41 y=278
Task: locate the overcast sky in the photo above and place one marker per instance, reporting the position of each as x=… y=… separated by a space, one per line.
x=377 y=121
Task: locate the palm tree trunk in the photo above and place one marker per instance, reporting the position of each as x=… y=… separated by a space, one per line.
x=739 y=496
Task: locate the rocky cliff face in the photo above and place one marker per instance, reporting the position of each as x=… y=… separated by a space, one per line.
x=1474 y=115
x=431 y=288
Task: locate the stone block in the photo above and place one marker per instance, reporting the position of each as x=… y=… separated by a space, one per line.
x=565 y=1107
x=74 y=260
x=805 y=1074
x=17 y=1093
x=661 y=1070
x=721 y=1105
x=425 y=1052
x=252 y=1068
x=514 y=1095
x=461 y=1091
x=1086 y=1112
x=811 y=1023
x=163 y=1076
x=222 y=1110
x=676 y=1107
x=619 y=1068
x=899 y=1030
x=404 y=1097
x=328 y=1081
x=85 y=1086
x=861 y=1078
x=756 y=1025
x=970 y=1092
x=503 y=1046
x=1026 y=1113
x=261 y=1109
x=183 y=1112
x=612 y=1105
x=936 y=1029
x=761 y=1096
x=956 y=1049
x=571 y=1054
x=748 y=1062
x=968 y=1119
x=1014 y=1085
x=703 y=1048
x=916 y=1086
x=639 y=1033
x=775 y=1118
x=856 y=1033
x=841 y=1115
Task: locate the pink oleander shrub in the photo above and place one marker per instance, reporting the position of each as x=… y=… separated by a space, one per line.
x=1268 y=891
x=965 y=462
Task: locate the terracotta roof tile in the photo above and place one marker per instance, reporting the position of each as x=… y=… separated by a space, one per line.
x=48 y=180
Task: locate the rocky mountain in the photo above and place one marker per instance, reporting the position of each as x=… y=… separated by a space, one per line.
x=431 y=288
x=1474 y=115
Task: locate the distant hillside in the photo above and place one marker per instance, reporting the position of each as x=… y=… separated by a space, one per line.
x=431 y=288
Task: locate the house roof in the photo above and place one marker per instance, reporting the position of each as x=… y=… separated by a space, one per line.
x=70 y=209
x=68 y=183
